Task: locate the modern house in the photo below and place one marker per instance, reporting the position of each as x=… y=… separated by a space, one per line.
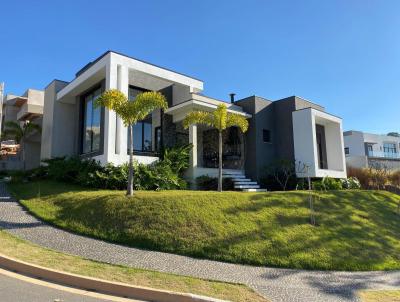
x=365 y=150
x=27 y=108
x=291 y=128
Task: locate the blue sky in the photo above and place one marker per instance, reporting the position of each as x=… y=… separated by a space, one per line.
x=344 y=55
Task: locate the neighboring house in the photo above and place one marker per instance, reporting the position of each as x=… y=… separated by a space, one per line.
x=22 y=109
x=291 y=128
x=365 y=150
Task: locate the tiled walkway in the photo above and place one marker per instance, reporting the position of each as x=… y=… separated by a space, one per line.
x=276 y=284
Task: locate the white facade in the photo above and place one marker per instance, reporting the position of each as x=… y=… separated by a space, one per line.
x=117 y=72
x=63 y=132
x=306 y=148
x=366 y=149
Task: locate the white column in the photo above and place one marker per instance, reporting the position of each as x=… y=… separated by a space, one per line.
x=193 y=141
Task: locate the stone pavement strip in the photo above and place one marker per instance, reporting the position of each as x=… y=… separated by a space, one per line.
x=278 y=285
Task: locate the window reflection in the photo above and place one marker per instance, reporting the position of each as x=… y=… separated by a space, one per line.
x=142 y=131
x=91 y=123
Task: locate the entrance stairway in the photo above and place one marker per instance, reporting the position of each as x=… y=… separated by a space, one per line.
x=241 y=182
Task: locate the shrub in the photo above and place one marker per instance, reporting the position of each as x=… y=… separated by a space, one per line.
x=327 y=184
x=280 y=175
x=375 y=177
x=71 y=169
x=351 y=183
x=107 y=177
x=395 y=178
x=362 y=175
x=177 y=158
x=165 y=174
x=207 y=183
x=157 y=176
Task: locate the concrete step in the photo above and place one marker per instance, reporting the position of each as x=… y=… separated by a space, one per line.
x=241 y=179
x=254 y=190
x=246 y=186
x=234 y=176
x=231 y=172
x=241 y=182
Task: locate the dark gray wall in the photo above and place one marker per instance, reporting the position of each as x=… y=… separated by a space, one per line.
x=173 y=134
x=274 y=116
x=257 y=153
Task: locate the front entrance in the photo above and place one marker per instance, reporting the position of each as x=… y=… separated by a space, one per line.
x=232 y=151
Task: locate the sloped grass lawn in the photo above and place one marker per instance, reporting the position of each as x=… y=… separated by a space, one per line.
x=357 y=230
x=25 y=251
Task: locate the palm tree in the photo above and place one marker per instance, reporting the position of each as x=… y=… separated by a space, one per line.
x=220 y=119
x=131 y=112
x=14 y=130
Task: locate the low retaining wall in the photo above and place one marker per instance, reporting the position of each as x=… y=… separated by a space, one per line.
x=100 y=286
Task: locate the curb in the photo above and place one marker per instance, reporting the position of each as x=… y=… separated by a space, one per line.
x=100 y=286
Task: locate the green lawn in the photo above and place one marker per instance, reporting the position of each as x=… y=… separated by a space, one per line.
x=357 y=230
x=25 y=251
x=380 y=296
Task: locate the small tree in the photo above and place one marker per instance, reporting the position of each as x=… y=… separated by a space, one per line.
x=19 y=133
x=220 y=119
x=131 y=112
x=282 y=171
x=304 y=169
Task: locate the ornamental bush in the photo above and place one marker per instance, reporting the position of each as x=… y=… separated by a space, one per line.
x=164 y=174
x=351 y=183
x=327 y=183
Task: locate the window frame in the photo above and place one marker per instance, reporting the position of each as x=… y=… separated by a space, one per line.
x=82 y=116
x=141 y=123
x=269 y=141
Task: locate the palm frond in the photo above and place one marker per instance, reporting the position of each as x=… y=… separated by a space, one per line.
x=112 y=99
x=199 y=117
x=147 y=102
x=238 y=121
x=13 y=130
x=31 y=127
x=220 y=115
x=131 y=112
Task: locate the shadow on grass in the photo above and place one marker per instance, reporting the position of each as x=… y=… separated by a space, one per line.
x=357 y=230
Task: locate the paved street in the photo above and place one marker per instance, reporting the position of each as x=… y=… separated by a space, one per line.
x=279 y=285
x=16 y=290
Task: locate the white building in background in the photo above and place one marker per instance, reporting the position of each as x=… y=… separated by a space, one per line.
x=27 y=108
x=365 y=150
x=1 y=106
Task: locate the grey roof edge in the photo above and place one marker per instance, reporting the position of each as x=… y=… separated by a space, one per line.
x=54 y=80
x=319 y=111
x=88 y=65
x=304 y=99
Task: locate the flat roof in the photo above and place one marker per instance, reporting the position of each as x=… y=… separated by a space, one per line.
x=88 y=65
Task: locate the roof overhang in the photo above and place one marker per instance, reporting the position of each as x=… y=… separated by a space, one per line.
x=29 y=111
x=17 y=101
x=100 y=67
x=179 y=111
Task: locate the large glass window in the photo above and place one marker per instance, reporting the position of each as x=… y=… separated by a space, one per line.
x=389 y=149
x=142 y=131
x=91 y=135
x=157 y=137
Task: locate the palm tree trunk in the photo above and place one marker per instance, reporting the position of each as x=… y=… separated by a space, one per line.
x=22 y=147
x=130 y=177
x=220 y=161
